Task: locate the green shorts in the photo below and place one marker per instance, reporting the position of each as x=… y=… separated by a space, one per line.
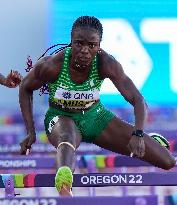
x=90 y=123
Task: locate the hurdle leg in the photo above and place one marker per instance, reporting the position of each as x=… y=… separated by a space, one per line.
x=152 y=188
x=9 y=187
x=124 y=188
x=91 y=169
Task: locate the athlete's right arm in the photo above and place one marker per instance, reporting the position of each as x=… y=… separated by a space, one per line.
x=38 y=76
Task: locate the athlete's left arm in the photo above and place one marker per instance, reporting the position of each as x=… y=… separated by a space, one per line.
x=128 y=90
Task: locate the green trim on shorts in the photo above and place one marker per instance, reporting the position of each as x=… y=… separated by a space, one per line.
x=90 y=123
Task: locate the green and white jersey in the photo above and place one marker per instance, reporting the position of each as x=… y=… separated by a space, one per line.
x=68 y=94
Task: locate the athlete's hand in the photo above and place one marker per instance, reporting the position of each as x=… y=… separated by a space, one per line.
x=27 y=143
x=136 y=146
x=13 y=79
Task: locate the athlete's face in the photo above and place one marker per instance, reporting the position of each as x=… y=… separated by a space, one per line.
x=85 y=45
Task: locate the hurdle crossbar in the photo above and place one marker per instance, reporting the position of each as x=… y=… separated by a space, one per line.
x=96 y=180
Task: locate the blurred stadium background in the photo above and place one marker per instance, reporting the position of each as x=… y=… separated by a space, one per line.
x=139 y=34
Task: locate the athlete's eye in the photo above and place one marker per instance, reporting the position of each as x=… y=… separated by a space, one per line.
x=91 y=45
x=78 y=43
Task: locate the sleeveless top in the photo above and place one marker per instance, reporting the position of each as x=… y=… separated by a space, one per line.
x=67 y=94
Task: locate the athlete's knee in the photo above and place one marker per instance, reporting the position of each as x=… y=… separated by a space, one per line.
x=169 y=163
x=67 y=137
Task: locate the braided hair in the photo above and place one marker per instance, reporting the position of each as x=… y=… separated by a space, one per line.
x=90 y=22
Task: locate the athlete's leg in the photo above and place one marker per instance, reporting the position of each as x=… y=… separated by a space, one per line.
x=65 y=138
x=116 y=138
